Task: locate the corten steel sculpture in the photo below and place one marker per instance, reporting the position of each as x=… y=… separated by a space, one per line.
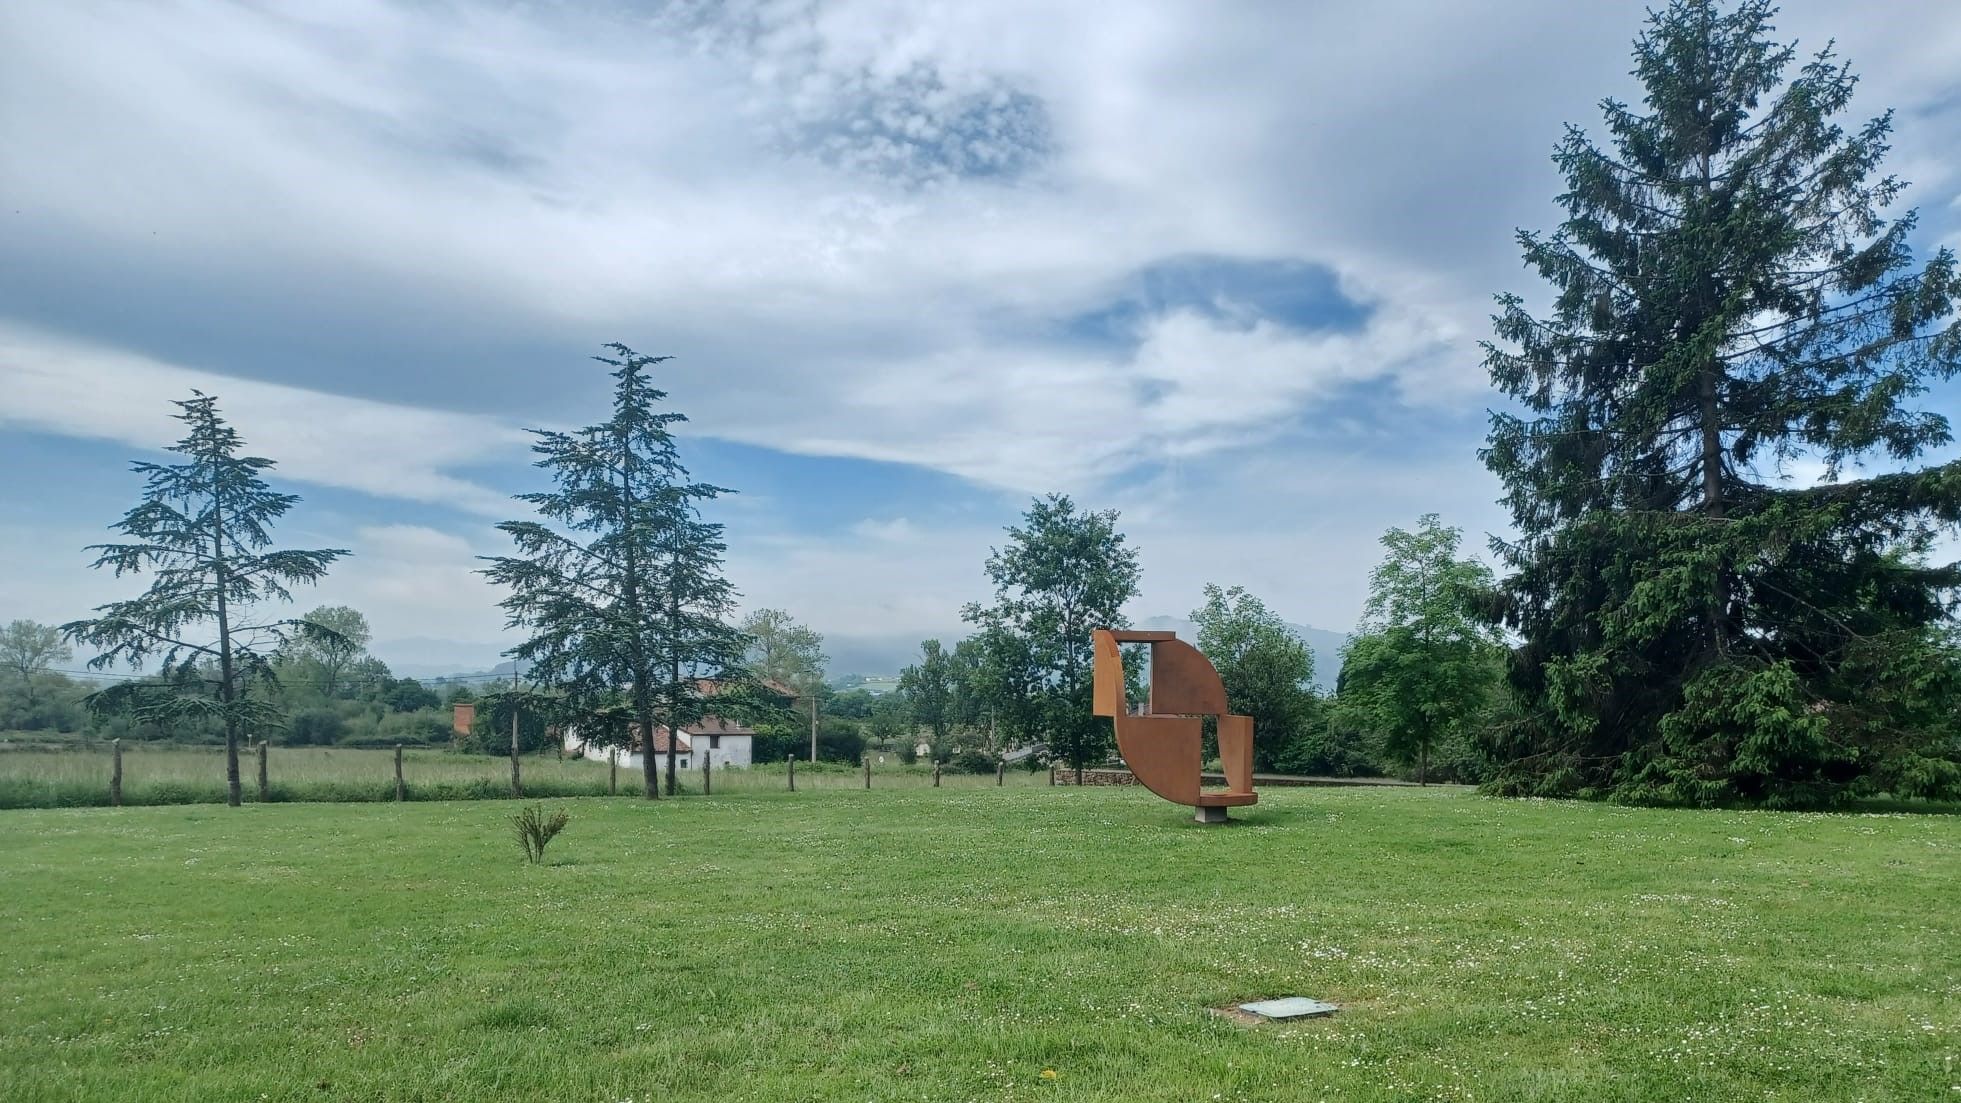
x=1162 y=745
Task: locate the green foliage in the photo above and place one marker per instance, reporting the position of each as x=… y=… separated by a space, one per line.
x=1423 y=672
x=891 y=724
x=853 y=704
x=430 y=727
x=536 y=828
x=928 y=689
x=43 y=702
x=1731 y=297
x=342 y=641
x=203 y=531
x=27 y=650
x=839 y=740
x=490 y=731
x=620 y=583
x=407 y=695
x=1062 y=573
x=784 y=652
x=971 y=760
x=1268 y=673
x=315 y=727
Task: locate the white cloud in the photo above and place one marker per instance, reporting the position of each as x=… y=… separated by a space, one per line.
x=862 y=225
x=388 y=450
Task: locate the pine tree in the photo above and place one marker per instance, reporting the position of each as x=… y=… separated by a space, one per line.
x=203 y=530
x=1730 y=300
x=621 y=583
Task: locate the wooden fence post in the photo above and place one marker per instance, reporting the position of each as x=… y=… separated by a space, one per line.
x=116 y=774
x=936 y=775
x=265 y=787
x=401 y=790
x=613 y=777
x=707 y=785
x=868 y=771
x=1051 y=773
x=1001 y=772
x=792 y=760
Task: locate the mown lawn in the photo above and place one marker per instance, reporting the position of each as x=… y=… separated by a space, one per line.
x=954 y=944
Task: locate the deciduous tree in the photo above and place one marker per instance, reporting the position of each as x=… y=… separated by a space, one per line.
x=1062 y=573
x=928 y=688
x=789 y=656
x=1267 y=670
x=1420 y=670
x=28 y=649
x=339 y=647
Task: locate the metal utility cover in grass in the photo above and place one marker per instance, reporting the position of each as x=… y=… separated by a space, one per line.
x=1289 y=1007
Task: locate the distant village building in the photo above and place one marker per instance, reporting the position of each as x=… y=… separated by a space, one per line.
x=721 y=743
x=878 y=685
x=718 y=741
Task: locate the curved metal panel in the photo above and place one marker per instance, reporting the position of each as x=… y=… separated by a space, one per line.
x=1183 y=681
x=1164 y=754
x=1106 y=675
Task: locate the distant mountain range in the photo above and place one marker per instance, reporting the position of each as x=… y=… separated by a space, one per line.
x=1326 y=645
x=429 y=659
x=867 y=655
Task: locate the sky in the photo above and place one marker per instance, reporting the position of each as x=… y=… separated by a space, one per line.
x=1223 y=268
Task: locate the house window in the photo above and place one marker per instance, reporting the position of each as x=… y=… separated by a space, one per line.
x=714 y=742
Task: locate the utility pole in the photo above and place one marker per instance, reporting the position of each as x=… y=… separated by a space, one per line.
x=813 y=725
x=517 y=786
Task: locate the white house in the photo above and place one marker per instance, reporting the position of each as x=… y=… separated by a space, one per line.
x=722 y=743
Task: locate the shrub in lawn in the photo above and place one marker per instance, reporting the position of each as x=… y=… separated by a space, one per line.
x=536 y=829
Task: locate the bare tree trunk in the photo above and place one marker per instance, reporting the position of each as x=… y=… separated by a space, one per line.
x=643 y=706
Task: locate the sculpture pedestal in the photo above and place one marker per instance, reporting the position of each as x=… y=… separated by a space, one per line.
x=1206 y=813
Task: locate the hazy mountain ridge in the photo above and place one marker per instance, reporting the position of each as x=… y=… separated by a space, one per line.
x=1327 y=646
x=881 y=654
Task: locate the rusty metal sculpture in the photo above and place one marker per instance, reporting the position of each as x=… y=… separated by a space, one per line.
x=1162 y=745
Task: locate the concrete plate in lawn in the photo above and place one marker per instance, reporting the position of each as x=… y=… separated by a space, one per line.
x=1289 y=1007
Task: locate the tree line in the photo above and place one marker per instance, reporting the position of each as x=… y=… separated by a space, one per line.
x=1679 y=618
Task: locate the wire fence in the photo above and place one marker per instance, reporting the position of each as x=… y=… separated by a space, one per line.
x=116 y=772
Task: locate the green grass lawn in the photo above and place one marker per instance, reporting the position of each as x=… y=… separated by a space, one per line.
x=953 y=944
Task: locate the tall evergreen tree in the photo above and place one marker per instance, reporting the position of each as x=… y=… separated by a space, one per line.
x=620 y=585
x=1731 y=299
x=203 y=531
x=1062 y=574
